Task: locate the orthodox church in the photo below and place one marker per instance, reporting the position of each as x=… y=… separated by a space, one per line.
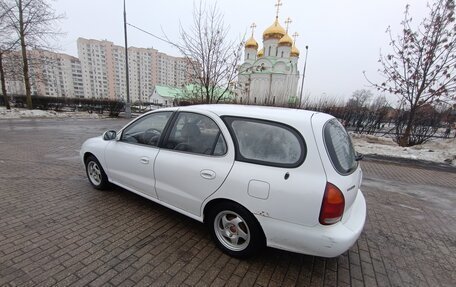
x=270 y=76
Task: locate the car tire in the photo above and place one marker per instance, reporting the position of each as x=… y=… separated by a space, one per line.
x=95 y=173
x=235 y=230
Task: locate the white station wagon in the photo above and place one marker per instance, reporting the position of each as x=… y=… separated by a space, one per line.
x=257 y=176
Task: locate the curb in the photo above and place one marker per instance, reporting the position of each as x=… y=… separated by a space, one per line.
x=412 y=162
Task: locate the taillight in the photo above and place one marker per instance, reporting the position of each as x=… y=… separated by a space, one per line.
x=332 y=206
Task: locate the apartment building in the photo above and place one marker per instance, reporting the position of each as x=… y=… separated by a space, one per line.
x=103 y=66
x=51 y=74
x=99 y=72
x=97 y=68
x=141 y=63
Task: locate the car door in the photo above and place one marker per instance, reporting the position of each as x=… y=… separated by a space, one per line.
x=193 y=161
x=130 y=160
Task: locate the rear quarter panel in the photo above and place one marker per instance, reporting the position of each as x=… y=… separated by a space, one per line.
x=349 y=184
x=296 y=199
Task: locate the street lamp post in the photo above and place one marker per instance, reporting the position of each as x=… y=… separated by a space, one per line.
x=303 y=76
x=128 y=104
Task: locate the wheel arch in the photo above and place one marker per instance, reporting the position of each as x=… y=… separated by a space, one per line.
x=104 y=179
x=216 y=201
x=87 y=154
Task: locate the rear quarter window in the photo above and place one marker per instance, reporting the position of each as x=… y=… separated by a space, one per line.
x=339 y=147
x=265 y=142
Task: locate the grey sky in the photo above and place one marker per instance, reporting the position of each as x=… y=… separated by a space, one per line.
x=344 y=36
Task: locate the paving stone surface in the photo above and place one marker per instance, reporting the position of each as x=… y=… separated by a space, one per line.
x=55 y=230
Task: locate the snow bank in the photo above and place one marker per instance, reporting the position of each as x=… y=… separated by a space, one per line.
x=15 y=113
x=437 y=150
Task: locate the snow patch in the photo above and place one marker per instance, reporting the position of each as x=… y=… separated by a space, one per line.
x=16 y=113
x=436 y=150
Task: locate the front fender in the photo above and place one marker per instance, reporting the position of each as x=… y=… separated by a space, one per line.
x=95 y=146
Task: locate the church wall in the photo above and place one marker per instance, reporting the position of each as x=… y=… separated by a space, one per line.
x=280 y=88
x=270 y=46
x=284 y=52
x=260 y=86
x=250 y=55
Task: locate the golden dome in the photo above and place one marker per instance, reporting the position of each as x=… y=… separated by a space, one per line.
x=251 y=43
x=275 y=31
x=260 y=53
x=286 y=41
x=294 y=51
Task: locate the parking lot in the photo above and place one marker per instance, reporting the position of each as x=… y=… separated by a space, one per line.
x=55 y=229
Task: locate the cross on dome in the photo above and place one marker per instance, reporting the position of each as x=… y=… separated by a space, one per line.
x=287 y=23
x=251 y=43
x=279 y=3
x=294 y=50
x=295 y=35
x=253 y=26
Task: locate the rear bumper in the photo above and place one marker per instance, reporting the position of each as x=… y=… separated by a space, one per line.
x=319 y=240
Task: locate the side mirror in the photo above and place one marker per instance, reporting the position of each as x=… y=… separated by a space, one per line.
x=109 y=135
x=359 y=156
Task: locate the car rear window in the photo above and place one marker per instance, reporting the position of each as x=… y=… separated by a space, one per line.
x=266 y=142
x=339 y=147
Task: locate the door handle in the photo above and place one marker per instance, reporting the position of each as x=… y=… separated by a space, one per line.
x=207 y=174
x=144 y=160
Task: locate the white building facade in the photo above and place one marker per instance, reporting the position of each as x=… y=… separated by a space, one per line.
x=270 y=75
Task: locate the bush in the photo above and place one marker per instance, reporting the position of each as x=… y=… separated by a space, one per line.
x=72 y=104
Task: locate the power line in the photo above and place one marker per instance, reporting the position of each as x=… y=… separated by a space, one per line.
x=149 y=33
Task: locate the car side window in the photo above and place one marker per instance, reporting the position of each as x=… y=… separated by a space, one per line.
x=146 y=130
x=196 y=133
x=265 y=142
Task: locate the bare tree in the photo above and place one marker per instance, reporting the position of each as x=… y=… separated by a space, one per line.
x=360 y=98
x=2 y=78
x=426 y=124
x=213 y=57
x=3 y=82
x=357 y=109
x=421 y=68
x=7 y=44
x=379 y=102
x=34 y=23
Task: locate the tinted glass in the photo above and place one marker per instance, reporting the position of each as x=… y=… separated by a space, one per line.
x=196 y=133
x=146 y=130
x=339 y=147
x=267 y=142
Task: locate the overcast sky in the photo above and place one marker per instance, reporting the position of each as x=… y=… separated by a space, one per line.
x=344 y=36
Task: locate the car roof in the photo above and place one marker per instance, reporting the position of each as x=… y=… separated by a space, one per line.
x=260 y=112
